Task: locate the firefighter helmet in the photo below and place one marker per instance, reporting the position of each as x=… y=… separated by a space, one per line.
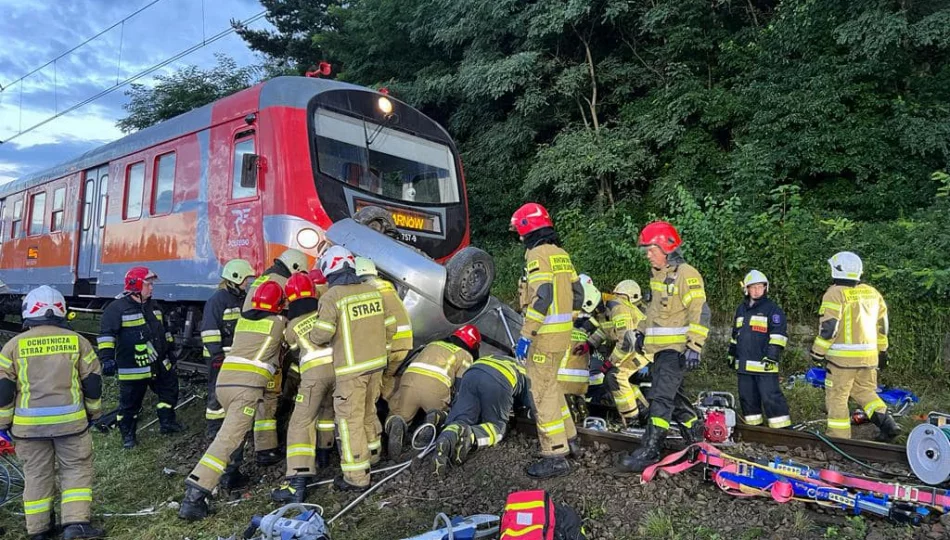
x=44 y=301
x=529 y=218
x=294 y=260
x=317 y=277
x=753 y=277
x=335 y=259
x=299 y=286
x=846 y=265
x=136 y=276
x=630 y=289
x=469 y=335
x=662 y=235
x=236 y=271
x=268 y=297
x=365 y=267
x=591 y=293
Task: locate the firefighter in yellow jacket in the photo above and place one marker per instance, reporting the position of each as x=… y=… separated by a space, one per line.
x=550 y=294
x=428 y=382
x=313 y=406
x=673 y=332
x=245 y=372
x=620 y=326
x=574 y=373
x=852 y=340
x=50 y=390
x=354 y=322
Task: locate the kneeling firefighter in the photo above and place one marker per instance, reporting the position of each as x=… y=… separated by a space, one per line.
x=245 y=372
x=487 y=394
x=427 y=383
x=52 y=374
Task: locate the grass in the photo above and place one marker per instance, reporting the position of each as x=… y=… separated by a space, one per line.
x=658 y=524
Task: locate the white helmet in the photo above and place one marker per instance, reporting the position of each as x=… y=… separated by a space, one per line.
x=591 y=293
x=365 y=267
x=44 y=301
x=846 y=265
x=236 y=271
x=335 y=259
x=753 y=277
x=630 y=289
x=294 y=260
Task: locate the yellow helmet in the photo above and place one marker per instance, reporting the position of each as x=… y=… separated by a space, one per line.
x=294 y=260
x=630 y=289
x=237 y=270
x=365 y=267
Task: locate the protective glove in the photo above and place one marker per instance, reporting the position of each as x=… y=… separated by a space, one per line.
x=769 y=363
x=582 y=349
x=108 y=368
x=690 y=359
x=732 y=350
x=216 y=361
x=521 y=350
x=606 y=366
x=638 y=344
x=881 y=360
x=818 y=360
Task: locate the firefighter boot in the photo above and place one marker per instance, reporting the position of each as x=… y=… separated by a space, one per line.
x=430 y=427
x=168 y=423
x=266 y=458
x=466 y=442
x=293 y=490
x=127 y=427
x=444 y=449
x=340 y=483
x=651 y=446
x=549 y=467
x=577 y=451
x=82 y=530
x=45 y=535
x=395 y=433
x=233 y=478
x=323 y=458
x=888 y=426
x=194 y=506
x=693 y=434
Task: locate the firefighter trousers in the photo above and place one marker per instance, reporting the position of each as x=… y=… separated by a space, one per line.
x=41 y=459
x=627 y=396
x=416 y=393
x=265 y=419
x=842 y=383
x=163 y=381
x=371 y=423
x=483 y=402
x=555 y=425
x=666 y=401
x=763 y=393
x=574 y=374
x=390 y=381
x=313 y=406
x=240 y=404
x=349 y=407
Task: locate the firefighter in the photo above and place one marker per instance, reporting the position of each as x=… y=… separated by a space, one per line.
x=574 y=372
x=53 y=377
x=673 y=332
x=220 y=314
x=621 y=319
x=314 y=401
x=759 y=336
x=549 y=296
x=133 y=341
x=354 y=321
x=852 y=340
x=285 y=265
x=427 y=383
x=398 y=349
x=252 y=363
x=486 y=395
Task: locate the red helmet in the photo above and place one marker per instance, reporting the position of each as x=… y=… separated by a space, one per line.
x=299 y=286
x=469 y=335
x=529 y=218
x=662 y=235
x=317 y=276
x=136 y=276
x=268 y=297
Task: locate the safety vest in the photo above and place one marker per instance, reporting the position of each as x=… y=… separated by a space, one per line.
x=354 y=321
x=297 y=336
x=441 y=361
x=547 y=299
x=677 y=316
x=254 y=359
x=853 y=326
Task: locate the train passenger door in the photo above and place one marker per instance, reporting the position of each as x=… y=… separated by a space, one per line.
x=244 y=213
x=92 y=221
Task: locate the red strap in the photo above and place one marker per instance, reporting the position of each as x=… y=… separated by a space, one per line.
x=898 y=492
x=705 y=453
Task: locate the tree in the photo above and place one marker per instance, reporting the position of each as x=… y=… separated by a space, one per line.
x=296 y=22
x=184 y=90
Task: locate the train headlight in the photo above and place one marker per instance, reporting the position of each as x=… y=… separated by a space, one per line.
x=385 y=105
x=308 y=238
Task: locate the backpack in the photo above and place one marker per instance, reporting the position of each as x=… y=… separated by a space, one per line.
x=532 y=515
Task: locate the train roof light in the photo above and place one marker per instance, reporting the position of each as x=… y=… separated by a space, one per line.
x=385 y=105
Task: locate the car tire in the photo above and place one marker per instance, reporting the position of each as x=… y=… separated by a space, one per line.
x=378 y=219
x=469 y=276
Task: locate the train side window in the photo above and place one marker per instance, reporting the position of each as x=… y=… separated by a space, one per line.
x=163 y=184
x=37 y=213
x=88 y=193
x=17 y=219
x=134 y=190
x=59 y=209
x=103 y=199
x=238 y=190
